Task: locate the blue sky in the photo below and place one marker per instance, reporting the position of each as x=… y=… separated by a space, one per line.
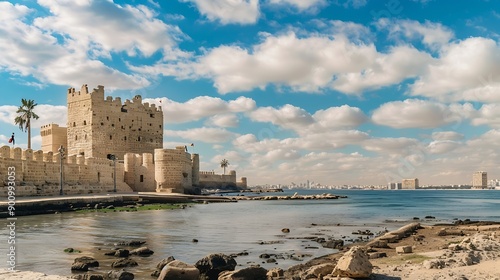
x=337 y=92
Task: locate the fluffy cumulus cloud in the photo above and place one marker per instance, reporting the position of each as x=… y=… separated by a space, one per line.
x=414 y=113
x=203 y=134
x=431 y=34
x=488 y=114
x=302 y=122
x=135 y=29
x=398 y=146
x=224 y=120
x=229 y=11
x=442 y=146
x=447 y=135
x=36 y=50
x=47 y=114
x=465 y=70
x=300 y=4
x=202 y=107
x=308 y=64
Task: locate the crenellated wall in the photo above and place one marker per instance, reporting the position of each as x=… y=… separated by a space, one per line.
x=98 y=126
x=38 y=173
x=210 y=180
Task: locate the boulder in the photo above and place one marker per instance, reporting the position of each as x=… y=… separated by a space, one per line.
x=318 y=271
x=275 y=272
x=92 y=277
x=122 y=253
x=354 y=264
x=142 y=251
x=78 y=266
x=333 y=244
x=249 y=273
x=120 y=275
x=91 y=262
x=161 y=265
x=285 y=230
x=404 y=249
x=180 y=271
x=213 y=264
x=124 y=263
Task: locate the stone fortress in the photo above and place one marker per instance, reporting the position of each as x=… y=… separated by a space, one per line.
x=99 y=126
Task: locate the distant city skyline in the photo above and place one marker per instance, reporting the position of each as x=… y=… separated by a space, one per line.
x=337 y=92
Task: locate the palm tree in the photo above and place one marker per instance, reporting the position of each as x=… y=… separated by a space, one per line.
x=224 y=163
x=25 y=114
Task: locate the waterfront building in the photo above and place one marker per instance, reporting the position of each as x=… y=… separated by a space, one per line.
x=480 y=180
x=409 y=184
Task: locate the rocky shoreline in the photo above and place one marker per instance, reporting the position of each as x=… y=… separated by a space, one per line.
x=463 y=250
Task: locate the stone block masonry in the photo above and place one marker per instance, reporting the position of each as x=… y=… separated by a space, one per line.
x=37 y=173
x=98 y=126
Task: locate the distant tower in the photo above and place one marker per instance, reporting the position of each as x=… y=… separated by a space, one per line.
x=480 y=180
x=53 y=137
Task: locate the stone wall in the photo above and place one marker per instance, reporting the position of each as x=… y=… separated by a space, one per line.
x=38 y=173
x=140 y=172
x=173 y=170
x=210 y=180
x=53 y=136
x=98 y=126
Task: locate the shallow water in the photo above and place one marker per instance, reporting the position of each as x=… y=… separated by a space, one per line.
x=236 y=227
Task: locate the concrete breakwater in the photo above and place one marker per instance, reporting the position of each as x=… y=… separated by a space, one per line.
x=295 y=196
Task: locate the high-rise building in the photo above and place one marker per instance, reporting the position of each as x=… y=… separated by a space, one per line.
x=480 y=180
x=409 y=184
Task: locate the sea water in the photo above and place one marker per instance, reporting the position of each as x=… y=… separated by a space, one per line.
x=253 y=227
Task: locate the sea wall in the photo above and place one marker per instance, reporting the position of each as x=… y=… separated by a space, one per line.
x=38 y=173
x=210 y=180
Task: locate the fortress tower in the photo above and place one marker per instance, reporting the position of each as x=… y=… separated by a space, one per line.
x=97 y=126
x=53 y=136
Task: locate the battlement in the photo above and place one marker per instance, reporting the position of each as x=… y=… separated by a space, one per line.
x=84 y=94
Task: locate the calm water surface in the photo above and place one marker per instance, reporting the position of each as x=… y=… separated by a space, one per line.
x=236 y=227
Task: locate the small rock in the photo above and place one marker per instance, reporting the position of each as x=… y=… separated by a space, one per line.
x=161 y=265
x=404 y=249
x=285 y=230
x=79 y=266
x=180 y=271
x=124 y=263
x=91 y=262
x=120 y=275
x=195 y=240
x=142 y=251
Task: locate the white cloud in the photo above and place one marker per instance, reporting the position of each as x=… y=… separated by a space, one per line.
x=307 y=64
x=300 y=4
x=288 y=116
x=200 y=107
x=229 y=11
x=203 y=134
x=28 y=50
x=134 y=29
x=47 y=114
x=224 y=120
x=432 y=34
x=442 y=146
x=400 y=145
x=466 y=70
x=413 y=113
x=447 y=135
x=400 y=63
x=302 y=122
x=488 y=114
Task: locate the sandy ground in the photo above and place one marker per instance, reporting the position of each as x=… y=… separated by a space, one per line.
x=477 y=258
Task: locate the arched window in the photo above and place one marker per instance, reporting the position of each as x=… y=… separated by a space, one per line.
x=84 y=122
x=76 y=137
x=111 y=137
x=141 y=178
x=74 y=124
